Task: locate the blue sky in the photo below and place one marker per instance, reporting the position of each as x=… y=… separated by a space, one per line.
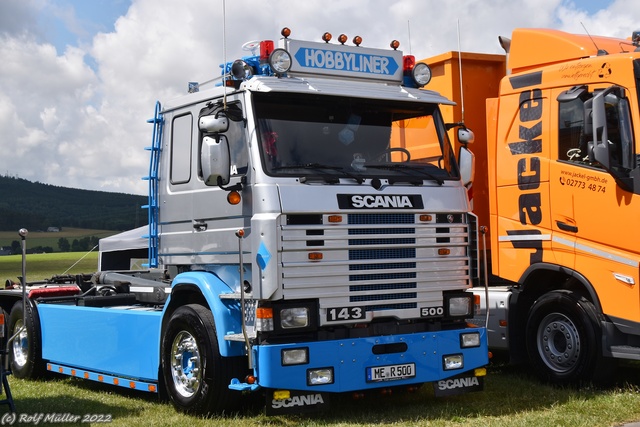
x=76 y=88
x=75 y=22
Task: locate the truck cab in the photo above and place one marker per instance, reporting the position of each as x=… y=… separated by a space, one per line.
x=562 y=183
x=311 y=226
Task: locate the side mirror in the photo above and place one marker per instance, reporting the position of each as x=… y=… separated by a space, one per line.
x=214 y=123
x=215 y=160
x=467 y=162
x=599 y=150
x=465 y=136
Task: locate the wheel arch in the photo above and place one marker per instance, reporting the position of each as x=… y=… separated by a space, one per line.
x=536 y=281
x=204 y=288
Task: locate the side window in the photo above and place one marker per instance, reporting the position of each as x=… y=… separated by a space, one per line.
x=181 y=136
x=572 y=144
x=575 y=126
x=238 y=149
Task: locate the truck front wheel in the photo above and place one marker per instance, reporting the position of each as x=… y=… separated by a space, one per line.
x=563 y=340
x=195 y=374
x=25 y=350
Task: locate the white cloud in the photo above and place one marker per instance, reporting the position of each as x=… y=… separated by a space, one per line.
x=77 y=116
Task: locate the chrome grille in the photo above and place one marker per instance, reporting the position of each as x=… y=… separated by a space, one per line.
x=386 y=263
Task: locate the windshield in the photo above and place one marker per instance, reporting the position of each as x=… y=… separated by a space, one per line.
x=327 y=136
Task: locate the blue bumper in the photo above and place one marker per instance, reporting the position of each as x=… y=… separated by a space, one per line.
x=352 y=360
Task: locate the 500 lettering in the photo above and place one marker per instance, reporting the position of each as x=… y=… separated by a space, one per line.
x=345 y=313
x=431 y=312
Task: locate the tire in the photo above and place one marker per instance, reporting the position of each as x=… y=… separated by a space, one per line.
x=26 y=350
x=195 y=374
x=563 y=336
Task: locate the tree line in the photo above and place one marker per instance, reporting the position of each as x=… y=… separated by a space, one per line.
x=84 y=244
x=38 y=206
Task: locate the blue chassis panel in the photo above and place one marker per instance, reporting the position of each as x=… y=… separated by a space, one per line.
x=350 y=359
x=121 y=342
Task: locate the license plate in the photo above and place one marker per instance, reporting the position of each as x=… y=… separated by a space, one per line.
x=391 y=372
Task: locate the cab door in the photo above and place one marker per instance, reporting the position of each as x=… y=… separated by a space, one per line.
x=599 y=209
x=197 y=222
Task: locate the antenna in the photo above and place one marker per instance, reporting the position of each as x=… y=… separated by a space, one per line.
x=600 y=51
x=409 y=30
x=460 y=66
x=224 y=53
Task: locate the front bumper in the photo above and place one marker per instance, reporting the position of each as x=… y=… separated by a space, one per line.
x=351 y=360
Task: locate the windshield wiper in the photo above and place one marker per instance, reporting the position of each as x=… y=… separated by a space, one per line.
x=406 y=168
x=340 y=169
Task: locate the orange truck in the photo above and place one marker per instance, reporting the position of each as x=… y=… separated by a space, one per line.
x=557 y=183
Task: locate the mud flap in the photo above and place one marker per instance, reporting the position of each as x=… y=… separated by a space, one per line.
x=459 y=384
x=280 y=402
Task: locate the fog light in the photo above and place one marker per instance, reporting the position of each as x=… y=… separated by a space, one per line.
x=320 y=376
x=453 y=362
x=460 y=306
x=295 y=356
x=470 y=340
x=421 y=74
x=280 y=61
x=297 y=317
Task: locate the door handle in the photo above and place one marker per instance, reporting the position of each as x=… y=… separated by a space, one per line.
x=199 y=225
x=567 y=227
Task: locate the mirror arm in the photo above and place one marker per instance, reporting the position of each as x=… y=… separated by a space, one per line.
x=238 y=186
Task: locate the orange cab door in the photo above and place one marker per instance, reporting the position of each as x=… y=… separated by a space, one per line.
x=600 y=214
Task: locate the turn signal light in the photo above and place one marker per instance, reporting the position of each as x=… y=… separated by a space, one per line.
x=334 y=219
x=315 y=256
x=233 y=198
x=444 y=251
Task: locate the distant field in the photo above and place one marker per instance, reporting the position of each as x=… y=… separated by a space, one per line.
x=43 y=266
x=44 y=238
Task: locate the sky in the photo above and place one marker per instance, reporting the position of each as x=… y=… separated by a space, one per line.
x=80 y=78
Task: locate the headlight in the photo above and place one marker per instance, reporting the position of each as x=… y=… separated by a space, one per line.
x=295 y=356
x=296 y=317
x=470 y=340
x=460 y=306
x=280 y=61
x=421 y=74
x=320 y=376
x=453 y=361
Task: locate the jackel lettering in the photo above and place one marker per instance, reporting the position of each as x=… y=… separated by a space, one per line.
x=529 y=166
x=305 y=400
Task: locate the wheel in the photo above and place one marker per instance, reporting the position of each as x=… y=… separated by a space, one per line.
x=406 y=152
x=25 y=351
x=563 y=336
x=195 y=374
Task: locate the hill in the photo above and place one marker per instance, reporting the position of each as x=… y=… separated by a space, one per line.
x=38 y=206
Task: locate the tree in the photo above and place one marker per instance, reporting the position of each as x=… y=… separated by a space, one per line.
x=64 y=244
x=15 y=247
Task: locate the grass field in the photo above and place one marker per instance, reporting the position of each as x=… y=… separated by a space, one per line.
x=512 y=397
x=42 y=266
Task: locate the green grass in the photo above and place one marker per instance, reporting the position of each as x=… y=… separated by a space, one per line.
x=511 y=398
x=42 y=266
